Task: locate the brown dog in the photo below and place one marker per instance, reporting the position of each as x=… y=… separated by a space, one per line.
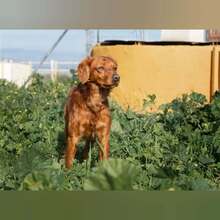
x=87 y=113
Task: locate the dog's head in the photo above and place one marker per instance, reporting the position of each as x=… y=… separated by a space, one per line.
x=101 y=70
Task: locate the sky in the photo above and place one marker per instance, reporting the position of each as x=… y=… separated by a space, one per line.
x=30 y=45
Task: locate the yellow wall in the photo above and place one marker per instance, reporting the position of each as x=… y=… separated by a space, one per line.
x=217 y=68
x=166 y=71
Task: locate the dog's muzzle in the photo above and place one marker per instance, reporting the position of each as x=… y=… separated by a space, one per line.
x=115 y=78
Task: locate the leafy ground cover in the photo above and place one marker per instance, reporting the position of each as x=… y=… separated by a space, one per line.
x=177 y=148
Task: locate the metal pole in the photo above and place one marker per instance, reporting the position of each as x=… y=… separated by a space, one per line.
x=51 y=50
x=98 y=36
x=46 y=56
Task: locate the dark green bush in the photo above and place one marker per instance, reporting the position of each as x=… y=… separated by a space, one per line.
x=177 y=148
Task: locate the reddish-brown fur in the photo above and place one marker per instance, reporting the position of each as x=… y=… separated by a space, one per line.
x=87 y=113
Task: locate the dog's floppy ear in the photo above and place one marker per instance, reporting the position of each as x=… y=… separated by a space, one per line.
x=83 y=70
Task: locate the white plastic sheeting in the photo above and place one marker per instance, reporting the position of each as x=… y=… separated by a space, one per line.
x=15 y=72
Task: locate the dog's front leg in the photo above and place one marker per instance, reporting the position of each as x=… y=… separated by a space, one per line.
x=104 y=146
x=71 y=150
x=103 y=134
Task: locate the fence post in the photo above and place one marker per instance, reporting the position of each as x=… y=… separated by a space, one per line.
x=1 y=70
x=56 y=69
x=30 y=64
x=53 y=70
x=11 y=71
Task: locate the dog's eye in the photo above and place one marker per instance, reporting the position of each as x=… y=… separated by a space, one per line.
x=100 y=69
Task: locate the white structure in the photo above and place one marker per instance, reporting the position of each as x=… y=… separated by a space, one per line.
x=183 y=35
x=15 y=72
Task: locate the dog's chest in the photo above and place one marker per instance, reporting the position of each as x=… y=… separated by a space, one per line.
x=92 y=122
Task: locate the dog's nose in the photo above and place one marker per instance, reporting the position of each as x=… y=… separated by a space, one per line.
x=115 y=78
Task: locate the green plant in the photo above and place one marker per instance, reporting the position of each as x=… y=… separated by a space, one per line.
x=177 y=148
x=113 y=174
